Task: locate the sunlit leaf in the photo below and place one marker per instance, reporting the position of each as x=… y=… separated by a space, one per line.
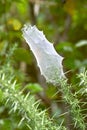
x=81 y=43
x=16 y=24
x=34 y=88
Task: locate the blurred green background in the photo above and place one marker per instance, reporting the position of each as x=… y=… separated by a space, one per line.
x=64 y=22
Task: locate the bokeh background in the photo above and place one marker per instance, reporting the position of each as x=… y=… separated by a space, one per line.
x=64 y=22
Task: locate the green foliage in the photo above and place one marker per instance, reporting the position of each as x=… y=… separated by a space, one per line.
x=29 y=108
x=35 y=88
x=25 y=105
x=73 y=101
x=21 y=54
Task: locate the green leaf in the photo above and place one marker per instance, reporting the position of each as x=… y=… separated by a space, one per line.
x=5 y=125
x=51 y=92
x=1 y=95
x=34 y=88
x=65 y=47
x=21 y=54
x=81 y=43
x=3 y=47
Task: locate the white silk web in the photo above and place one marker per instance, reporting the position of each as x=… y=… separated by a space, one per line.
x=48 y=60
